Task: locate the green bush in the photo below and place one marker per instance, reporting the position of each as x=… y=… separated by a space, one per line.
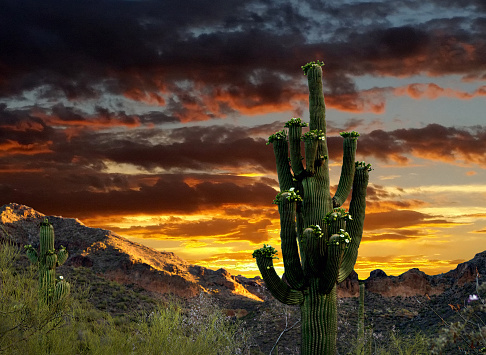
x=75 y=326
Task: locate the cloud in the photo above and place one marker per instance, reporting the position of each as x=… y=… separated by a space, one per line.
x=220 y=228
x=390 y=237
x=401 y=219
x=89 y=196
x=433 y=91
x=452 y=145
x=226 y=58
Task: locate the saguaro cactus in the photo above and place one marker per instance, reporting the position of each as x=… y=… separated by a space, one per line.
x=50 y=289
x=319 y=239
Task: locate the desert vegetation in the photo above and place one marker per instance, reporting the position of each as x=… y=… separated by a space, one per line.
x=102 y=317
x=84 y=323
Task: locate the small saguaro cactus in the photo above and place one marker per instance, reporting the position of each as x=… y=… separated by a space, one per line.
x=51 y=290
x=319 y=239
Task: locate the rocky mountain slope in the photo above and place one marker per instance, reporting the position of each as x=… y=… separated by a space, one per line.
x=118 y=259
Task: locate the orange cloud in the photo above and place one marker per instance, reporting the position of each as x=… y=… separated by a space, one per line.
x=71 y=117
x=401 y=219
x=12 y=148
x=371 y=100
x=433 y=91
x=150 y=98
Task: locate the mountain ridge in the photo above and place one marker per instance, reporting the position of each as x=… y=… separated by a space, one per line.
x=119 y=259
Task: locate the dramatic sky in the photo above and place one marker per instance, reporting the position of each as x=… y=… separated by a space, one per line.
x=150 y=118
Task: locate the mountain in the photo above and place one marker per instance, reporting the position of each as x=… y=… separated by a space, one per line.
x=118 y=259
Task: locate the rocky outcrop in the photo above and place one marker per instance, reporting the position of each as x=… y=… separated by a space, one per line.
x=416 y=283
x=411 y=283
x=466 y=272
x=349 y=287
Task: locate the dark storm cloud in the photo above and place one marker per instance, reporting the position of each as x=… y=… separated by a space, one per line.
x=198 y=148
x=435 y=142
x=44 y=168
x=169 y=195
x=201 y=60
x=67 y=140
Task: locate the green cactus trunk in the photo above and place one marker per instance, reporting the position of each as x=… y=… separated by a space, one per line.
x=319 y=322
x=50 y=289
x=319 y=240
x=361 y=327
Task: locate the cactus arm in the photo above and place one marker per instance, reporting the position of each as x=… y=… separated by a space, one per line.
x=288 y=235
x=295 y=134
x=335 y=252
x=62 y=290
x=354 y=227
x=31 y=253
x=278 y=288
x=280 y=149
x=62 y=256
x=312 y=141
x=348 y=168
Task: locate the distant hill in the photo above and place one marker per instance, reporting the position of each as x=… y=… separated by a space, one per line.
x=119 y=259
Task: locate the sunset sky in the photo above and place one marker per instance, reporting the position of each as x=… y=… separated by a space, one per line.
x=150 y=118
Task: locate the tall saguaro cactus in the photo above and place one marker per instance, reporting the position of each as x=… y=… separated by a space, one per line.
x=319 y=240
x=50 y=289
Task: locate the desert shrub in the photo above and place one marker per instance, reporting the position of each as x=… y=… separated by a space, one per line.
x=466 y=334
x=23 y=318
x=75 y=326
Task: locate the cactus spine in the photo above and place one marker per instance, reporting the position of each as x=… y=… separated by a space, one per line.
x=50 y=289
x=319 y=239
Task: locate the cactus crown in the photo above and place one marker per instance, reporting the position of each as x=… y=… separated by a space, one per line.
x=280 y=135
x=317 y=230
x=353 y=135
x=315 y=134
x=267 y=252
x=337 y=213
x=296 y=121
x=342 y=239
x=45 y=222
x=361 y=165
x=292 y=195
x=309 y=65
